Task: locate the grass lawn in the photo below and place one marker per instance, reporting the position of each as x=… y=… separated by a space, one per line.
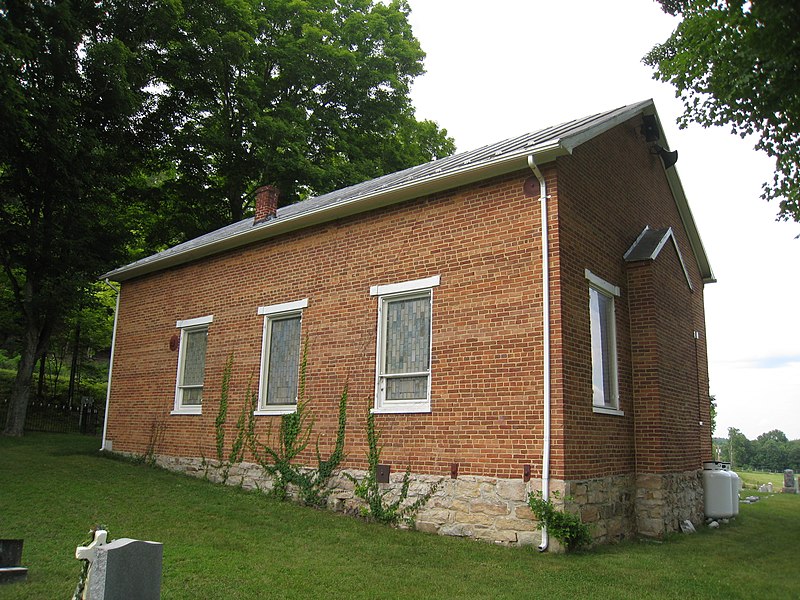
x=221 y=542
x=753 y=479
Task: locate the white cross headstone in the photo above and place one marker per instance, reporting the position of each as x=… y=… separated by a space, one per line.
x=90 y=552
x=122 y=569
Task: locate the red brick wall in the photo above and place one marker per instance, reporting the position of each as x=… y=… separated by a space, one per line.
x=487 y=386
x=486 y=366
x=609 y=190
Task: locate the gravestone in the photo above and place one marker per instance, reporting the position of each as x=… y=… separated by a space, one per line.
x=11 y=570
x=123 y=569
x=788 y=482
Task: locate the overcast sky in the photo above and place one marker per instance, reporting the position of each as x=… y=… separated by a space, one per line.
x=502 y=68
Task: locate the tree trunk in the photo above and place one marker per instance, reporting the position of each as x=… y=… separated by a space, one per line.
x=74 y=366
x=42 y=367
x=21 y=390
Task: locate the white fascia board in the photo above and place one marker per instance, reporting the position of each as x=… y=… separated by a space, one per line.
x=687 y=219
x=377 y=199
x=569 y=143
x=690 y=226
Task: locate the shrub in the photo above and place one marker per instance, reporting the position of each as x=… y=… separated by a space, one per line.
x=566 y=527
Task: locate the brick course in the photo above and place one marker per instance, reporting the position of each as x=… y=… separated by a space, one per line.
x=484 y=240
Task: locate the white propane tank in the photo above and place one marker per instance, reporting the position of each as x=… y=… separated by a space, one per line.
x=717 y=491
x=736 y=486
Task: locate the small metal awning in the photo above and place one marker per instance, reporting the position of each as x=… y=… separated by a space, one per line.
x=650 y=243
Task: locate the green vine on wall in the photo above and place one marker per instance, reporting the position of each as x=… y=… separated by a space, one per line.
x=236 y=453
x=277 y=457
x=156 y=435
x=294 y=434
x=369 y=490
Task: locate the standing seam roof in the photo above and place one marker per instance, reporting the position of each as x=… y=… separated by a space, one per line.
x=555 y=140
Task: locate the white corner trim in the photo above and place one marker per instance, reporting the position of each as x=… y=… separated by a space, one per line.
x=602 y=410
x=194 y=322
x=274 y=309
x=405 y=286
x=601 y=284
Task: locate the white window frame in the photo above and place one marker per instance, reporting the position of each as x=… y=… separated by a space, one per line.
x=416 y=288
x=188 y=326
x=600 y=286
x=272 y=313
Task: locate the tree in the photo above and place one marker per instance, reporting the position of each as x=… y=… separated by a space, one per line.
x=793 y=456
x=737 y=63
x=307 y=95
x=740 y=448
x=770 y=455
x=712 y=412
x=76 y=101
x=771 y=451
x=126 y=126
x=775 y=435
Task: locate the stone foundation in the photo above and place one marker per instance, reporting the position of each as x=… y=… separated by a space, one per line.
x=664 y=501
x=606 y=505
x=496 y=510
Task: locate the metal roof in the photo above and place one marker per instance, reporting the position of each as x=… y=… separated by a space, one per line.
x=438 y=175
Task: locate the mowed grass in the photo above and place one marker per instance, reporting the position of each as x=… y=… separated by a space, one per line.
x=221 y=542
x=753 y=479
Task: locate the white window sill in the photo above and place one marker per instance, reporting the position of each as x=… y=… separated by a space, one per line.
x=400 y=410
x=275 y=410
x=603 y=410
x=194 y=410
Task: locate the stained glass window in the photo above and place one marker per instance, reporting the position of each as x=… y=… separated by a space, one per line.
x=193 y=368
x=284 y=360
x=406 y=347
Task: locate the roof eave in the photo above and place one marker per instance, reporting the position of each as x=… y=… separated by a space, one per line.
x=378 y=199
x=570 y=142
x=690 y=226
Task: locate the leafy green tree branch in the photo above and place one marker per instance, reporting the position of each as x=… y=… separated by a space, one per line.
x=735 y=63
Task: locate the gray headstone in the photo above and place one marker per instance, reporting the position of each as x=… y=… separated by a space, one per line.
x=11 y=570
x=10 y=553
x=788 y=481
x=126 y=569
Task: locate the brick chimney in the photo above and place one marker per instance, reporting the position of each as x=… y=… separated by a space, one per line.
x=266 y=203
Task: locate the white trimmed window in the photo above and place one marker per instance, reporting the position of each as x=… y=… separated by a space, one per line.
x=191 y=365
x=605 y=390
x=280 y=357
x=403 y=356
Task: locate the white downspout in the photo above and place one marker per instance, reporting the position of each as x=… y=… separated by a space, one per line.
x=546 y=336
x=110 y=361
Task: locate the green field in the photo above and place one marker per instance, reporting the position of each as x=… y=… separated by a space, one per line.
x=221 y=542
x=752 y=479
